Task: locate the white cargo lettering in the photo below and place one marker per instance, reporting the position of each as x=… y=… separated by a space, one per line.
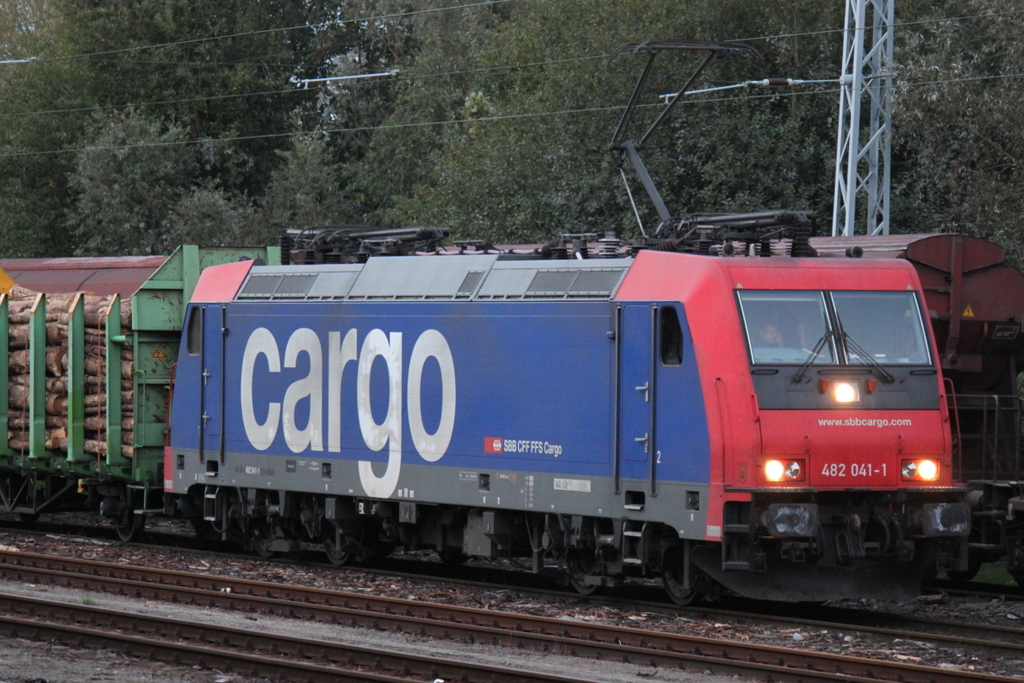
x=261 y=342
x=389 y=431
x=431 y=344
x=340 y=352
x=310 y=387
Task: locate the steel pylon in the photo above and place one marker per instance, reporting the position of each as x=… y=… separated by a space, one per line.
x=864 y=149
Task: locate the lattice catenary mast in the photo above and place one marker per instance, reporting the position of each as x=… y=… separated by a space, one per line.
x=863 y=164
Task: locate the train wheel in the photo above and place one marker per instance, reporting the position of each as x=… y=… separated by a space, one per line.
x=579 y=565
x=1018 y=576
x=28 y=517
x=672 y=579
x=336 y=555
x=453 y=557
x=203 y=529
x=973 y=567
x=128 y=524
x=262 y=537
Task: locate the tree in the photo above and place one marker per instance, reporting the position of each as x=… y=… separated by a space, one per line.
x=208 y=216
x=127 y=180
x=495 y=121
x=306 y=190
x=222 y=72
x=956 y=148
x=34 y=195
x=520 y=152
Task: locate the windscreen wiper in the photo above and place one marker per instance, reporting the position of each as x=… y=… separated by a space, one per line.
x=856 y=348
x=815 y=352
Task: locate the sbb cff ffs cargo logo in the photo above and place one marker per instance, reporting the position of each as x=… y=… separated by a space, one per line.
x=340 y=352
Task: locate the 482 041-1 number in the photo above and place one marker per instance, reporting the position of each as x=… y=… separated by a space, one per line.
x=840 y=469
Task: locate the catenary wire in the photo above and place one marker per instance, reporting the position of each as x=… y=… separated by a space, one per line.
x=796 y=34
x=483 y=119
x=438 y=74
x=257 y=32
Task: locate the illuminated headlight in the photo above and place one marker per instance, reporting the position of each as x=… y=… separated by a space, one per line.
x=845 y=392
x=920 y=470
x=784 y=470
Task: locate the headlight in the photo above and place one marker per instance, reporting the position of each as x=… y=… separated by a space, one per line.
x=789 y=520
x=784 y=470
x=843 y=392
x=920 y=470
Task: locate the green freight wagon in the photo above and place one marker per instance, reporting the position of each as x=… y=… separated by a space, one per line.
x=85 y=375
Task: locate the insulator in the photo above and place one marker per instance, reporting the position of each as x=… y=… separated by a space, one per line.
x=609 y=245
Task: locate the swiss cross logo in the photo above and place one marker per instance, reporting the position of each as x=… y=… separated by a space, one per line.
x=492 y=444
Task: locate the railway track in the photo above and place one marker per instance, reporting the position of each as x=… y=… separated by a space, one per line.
x=169 y=533
x=634 y=646
x=630 y=596
x=258 y=654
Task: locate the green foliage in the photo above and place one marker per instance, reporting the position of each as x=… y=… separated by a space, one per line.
x=307 y=190
x=209 y=216
x=145 y=123
x=957 y=141
x=529 y=157
x=38 y=121
x=209 y=75
x=127 y=180
x=224 y=88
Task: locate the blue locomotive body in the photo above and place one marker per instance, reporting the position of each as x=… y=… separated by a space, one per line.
x=499 y=388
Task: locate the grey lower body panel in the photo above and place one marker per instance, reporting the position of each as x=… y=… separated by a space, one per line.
x=680 y=505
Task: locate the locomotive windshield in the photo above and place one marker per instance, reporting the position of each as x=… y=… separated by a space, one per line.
x=854 y=328
x=786 y=327
x=883 y=326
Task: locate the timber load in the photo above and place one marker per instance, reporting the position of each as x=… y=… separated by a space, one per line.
x=59 y=308
x=85 y=377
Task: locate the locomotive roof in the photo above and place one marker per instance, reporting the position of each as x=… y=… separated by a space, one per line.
x=466 y=277
x=687 y=277
x=489 y=277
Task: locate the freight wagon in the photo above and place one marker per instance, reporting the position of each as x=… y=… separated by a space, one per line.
x=84 y=378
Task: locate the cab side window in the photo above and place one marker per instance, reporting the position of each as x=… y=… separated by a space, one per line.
x=195 y=331
x=670 y=336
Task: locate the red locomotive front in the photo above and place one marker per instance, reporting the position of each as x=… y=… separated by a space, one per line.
x=847 y=389
x=852 y=480
x=832 y=466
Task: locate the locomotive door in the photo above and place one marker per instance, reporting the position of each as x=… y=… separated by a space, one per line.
x=211 y=388
x=636 y=392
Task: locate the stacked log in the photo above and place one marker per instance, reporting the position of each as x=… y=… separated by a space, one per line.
x=56 y=380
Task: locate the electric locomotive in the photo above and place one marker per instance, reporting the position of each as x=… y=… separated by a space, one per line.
x=772 y=426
